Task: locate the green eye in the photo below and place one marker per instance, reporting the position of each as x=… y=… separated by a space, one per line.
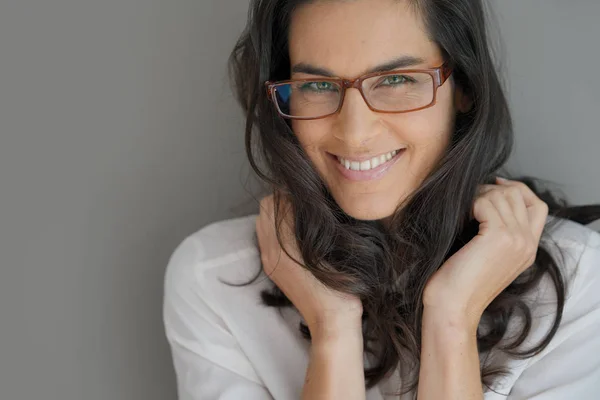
x=396 y=79
x=322 y=86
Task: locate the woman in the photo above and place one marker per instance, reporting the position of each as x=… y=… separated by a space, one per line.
x=408 y=270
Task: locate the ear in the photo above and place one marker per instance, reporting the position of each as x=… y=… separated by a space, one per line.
x=462 y=101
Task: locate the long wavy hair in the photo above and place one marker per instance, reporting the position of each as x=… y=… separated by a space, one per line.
x=387 y=266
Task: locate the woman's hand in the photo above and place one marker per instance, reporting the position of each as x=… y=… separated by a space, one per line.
x=324 y=310
x=511 y=220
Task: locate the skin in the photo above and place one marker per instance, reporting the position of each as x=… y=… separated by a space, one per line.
x=511 y=217
x=338 y=37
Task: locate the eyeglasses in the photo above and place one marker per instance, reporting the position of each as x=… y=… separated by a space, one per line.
x=398 y=91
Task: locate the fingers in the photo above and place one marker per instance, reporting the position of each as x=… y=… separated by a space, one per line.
x=510 y=204
x=536 y=209
x=528 y=196
x=515 y=206
x=486 y=213
x=500 y=199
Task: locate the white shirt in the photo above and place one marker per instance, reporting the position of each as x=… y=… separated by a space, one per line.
x=226 y=345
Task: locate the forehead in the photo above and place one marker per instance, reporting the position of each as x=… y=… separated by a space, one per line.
x=350 y=37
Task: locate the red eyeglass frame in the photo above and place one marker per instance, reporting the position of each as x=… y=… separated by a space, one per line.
x=439 y=74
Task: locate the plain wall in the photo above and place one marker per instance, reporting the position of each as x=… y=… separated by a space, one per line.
x=552 y=52
x=118 y=137
x=117 y=140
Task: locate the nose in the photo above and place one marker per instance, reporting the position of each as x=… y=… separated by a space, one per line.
x=356 y=122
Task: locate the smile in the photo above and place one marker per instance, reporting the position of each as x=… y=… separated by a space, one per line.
x=373 y=168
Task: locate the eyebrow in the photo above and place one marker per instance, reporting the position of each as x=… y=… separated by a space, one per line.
x=397 y=63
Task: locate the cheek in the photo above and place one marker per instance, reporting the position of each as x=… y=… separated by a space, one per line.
x=427 y=135
x=310 y=134
x=424 y=130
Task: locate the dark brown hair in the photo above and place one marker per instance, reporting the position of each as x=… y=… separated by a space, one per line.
x=388 y=266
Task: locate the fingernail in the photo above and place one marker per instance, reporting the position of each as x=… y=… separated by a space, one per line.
x=501 y=179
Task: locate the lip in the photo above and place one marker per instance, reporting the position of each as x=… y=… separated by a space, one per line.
x=362 y=158
x=371 y=174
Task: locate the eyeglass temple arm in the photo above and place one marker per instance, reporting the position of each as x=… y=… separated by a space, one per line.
x=444 y=72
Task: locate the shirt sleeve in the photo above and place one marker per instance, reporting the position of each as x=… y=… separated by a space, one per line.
x=209 y=364
x=569 y=368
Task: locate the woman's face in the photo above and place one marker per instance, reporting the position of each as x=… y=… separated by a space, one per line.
x=349 y=38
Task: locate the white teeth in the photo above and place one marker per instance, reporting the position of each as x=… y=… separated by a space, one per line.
x=368 y=164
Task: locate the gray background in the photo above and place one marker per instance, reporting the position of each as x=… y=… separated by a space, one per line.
x=117 y=141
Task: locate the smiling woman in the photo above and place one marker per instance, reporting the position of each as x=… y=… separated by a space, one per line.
x=398 y=265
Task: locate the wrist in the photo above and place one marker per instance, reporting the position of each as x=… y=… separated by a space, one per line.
x=451 y=320
x=336 y=328
x=453 y=310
